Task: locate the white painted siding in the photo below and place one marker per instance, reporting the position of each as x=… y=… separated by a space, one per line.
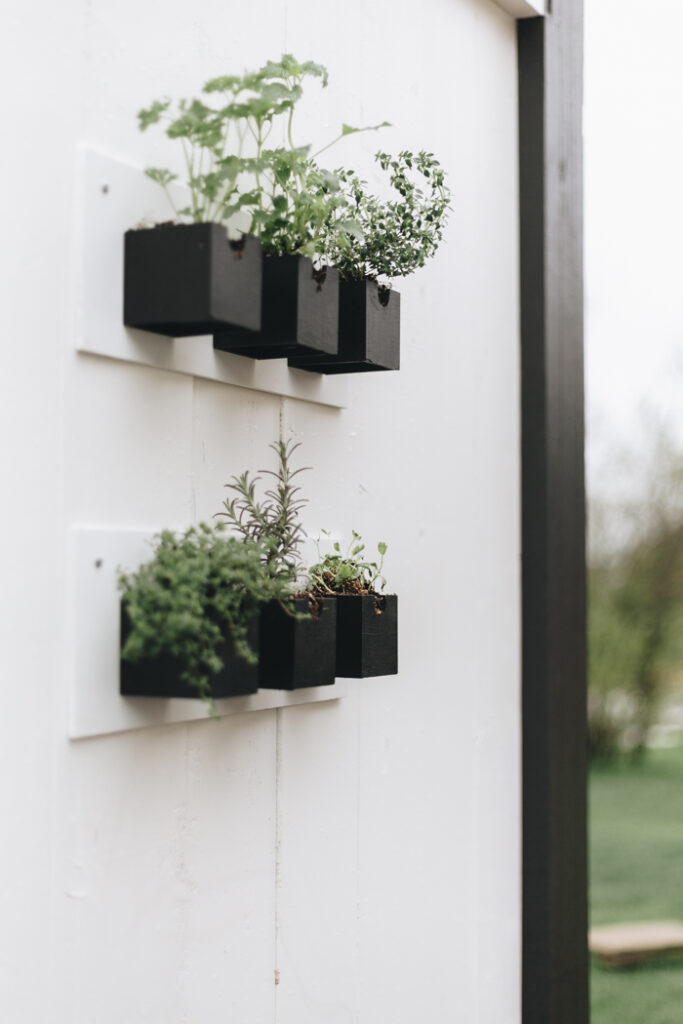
x=367 y=849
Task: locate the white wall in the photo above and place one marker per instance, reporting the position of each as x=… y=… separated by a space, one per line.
x=367 y=849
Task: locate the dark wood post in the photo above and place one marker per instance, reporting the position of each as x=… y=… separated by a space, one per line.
x=555 y=962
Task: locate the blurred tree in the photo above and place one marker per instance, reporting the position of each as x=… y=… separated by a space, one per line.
x=635 y=597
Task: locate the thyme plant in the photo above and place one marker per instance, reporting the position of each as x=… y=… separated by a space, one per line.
x=179 y=602
x=337 y=572
x=394 y=238
x=272 y=522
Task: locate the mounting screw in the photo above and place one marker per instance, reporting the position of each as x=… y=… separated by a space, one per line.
x=105 y=190
x=98 y=563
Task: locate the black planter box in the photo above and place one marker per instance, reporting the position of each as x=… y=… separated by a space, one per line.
x=369 y=332
x=299 y=313
x=367 y=635
x=160 y=677
x=296 y=653
x=187 y=279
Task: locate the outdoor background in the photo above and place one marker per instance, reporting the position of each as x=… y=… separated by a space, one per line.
x=634 y=361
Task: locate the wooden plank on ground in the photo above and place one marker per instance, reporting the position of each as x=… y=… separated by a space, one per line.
x=621 y=945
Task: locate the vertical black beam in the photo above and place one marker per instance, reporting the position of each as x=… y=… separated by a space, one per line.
x=555 y=962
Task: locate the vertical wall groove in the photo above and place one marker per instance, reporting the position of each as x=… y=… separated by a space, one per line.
x=278 y=857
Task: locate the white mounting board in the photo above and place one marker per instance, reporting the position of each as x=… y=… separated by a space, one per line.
x=96 y=706
x=116 y=196
x=523 y=8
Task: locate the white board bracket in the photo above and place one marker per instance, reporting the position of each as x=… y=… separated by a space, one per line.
x=96 y=706
x=115 y=196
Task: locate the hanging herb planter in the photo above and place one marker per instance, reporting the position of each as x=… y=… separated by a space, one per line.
x=191 y=279
x=298 y=633
x=385 y=240
x=298 y=652
x=300 y=212
x=163 y=675
x=369 y=331
x=195 y=615
x=280 y=305
x=367 y=621
x=367 y=635
x=190 y=616
x=299 y=313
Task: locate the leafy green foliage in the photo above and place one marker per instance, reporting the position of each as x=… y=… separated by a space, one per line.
x=613 y=650
x=632 y=605
x=635 y=588
x=338 y=572
x=286 y=198
x=223 y=136
x=388 y=239
x=272 y=522
x=304 y=199
x=179 y=602
x=280 y=193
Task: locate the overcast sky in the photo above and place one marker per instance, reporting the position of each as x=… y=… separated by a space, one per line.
x=634 y=217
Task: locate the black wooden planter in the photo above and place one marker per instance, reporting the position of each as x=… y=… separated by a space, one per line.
x=369 y=332
x=160 y=677
x=367 y=635
x=295 y=653
x=187 y=279
x=299 y=313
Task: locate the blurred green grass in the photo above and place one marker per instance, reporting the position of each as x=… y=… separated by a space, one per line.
x=636 y=874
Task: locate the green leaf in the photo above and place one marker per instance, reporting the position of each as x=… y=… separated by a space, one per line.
x=249 y=199
x=257 y=107
x=225 y=83
x=330 y=180
x=289 y=67
x=276 y=91
x=353 y=228
x=348 y=129
x=230 y=166
x=152 y=114
x=315 y=70
x=161 y=176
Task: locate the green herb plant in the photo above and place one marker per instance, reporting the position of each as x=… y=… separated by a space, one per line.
x=288 y=199
x=273 y=521
x=338 y=572
x=224 y=139
x=394 y=238
x=179 y=602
